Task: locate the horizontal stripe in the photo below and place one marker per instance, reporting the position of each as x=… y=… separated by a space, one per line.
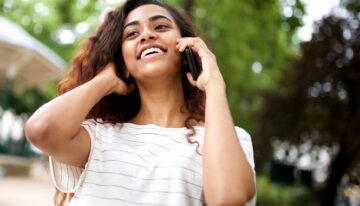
x=155 y=127
x=144 y=191
x=146 y=179
x=122 y=200
x=145 y=133
x=178 y=134
x=139 y=154
x=152 y=153
x=119 y=150
x=116 y=160
x=126 y=140
x=169 y=137
x=142 y=165
x=148 y=168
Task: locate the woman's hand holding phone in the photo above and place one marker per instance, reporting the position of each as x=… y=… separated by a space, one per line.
x=210 y=71
x=193 y=63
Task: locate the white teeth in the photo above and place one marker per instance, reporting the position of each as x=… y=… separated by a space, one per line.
x=147 y=51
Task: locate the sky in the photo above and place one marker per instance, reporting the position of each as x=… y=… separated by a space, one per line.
x=315 y=10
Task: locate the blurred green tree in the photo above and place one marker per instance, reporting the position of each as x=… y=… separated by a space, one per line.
x=252 y=39
x=251 y=46
x=60 y=24
x=253 y=42
x=351 y=5
x=319 y=99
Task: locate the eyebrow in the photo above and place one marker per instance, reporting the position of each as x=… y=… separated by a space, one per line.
x=153 y=18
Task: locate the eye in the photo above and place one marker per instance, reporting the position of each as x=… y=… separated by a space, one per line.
x=131 y=34
x=161 y=27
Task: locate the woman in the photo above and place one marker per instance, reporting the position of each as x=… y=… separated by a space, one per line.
x=131 y=126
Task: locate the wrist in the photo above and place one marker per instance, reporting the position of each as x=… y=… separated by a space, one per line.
x=217 y=84
x=105 y=82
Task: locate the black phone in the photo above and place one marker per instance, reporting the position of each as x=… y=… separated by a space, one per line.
x=193 y=63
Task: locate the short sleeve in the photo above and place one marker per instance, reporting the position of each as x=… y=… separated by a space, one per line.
x=67 y=178
x=246 y=144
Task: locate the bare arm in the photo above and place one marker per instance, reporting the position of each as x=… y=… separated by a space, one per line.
x=227 y=176
x=55 y=128
x=225 y=165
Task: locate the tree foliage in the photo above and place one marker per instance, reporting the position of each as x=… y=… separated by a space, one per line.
x=251 y=46
x=243 y=35
x=60 y=24
x=320 y=99
x=252 y=40
x=351 y=5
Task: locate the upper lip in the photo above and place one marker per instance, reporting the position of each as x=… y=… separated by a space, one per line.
x=147 y=46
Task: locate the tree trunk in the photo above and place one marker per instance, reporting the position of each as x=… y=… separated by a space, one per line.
x=337 y=170
x=188 y=4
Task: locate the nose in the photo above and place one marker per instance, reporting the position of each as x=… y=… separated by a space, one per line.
x=147 y=35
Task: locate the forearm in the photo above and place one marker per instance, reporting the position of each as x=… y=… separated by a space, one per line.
x=227 y=174
x=62 y=116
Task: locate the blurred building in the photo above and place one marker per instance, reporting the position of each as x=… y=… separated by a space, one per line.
x=24 y=62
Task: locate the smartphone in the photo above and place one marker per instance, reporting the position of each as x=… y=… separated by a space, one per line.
x=193 y=62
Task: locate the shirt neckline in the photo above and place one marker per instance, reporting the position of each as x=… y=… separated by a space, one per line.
x=129 y=124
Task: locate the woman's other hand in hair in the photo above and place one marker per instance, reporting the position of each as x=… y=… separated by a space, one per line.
x=118 y=86
x=210 y=74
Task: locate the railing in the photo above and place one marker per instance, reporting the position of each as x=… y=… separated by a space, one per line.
x=12 y=137
x=16 y=153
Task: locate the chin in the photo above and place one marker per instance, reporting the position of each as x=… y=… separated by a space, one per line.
x=158 y=69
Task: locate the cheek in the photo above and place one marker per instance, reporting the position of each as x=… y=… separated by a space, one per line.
x=125 y=50
x=127 y=54
x=176 y=60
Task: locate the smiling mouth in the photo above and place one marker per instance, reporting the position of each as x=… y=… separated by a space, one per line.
x=151 y=51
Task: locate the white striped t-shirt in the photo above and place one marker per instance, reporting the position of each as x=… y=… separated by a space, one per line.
x=134 y=164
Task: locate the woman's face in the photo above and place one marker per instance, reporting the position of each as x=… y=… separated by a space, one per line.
x=149 y=43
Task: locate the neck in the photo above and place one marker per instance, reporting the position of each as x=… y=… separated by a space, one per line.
x=161 y=102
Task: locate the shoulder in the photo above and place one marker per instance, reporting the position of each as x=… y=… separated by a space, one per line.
x=98 y=126
x=242 y=133
x=199 y=123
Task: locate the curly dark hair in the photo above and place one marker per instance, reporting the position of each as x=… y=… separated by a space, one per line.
x=105 y=47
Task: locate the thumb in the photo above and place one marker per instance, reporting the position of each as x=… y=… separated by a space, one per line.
x=129 y=88
x=192 y=82
x=124 y=89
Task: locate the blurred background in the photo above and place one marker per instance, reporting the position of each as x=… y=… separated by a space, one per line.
x=292 y=69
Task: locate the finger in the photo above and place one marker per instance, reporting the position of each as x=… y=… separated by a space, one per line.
x=130 y=88
x=182 y=44
x=110 y=65
x=178 y=45
x=195 y=43
x=180 y=39
x=185 y=39
x=192 y=41
x=182 y=47
x=189 y=76
x=124 y=89
x=188 y=41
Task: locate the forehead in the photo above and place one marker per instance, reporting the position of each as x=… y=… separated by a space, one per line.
x=143 y=13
